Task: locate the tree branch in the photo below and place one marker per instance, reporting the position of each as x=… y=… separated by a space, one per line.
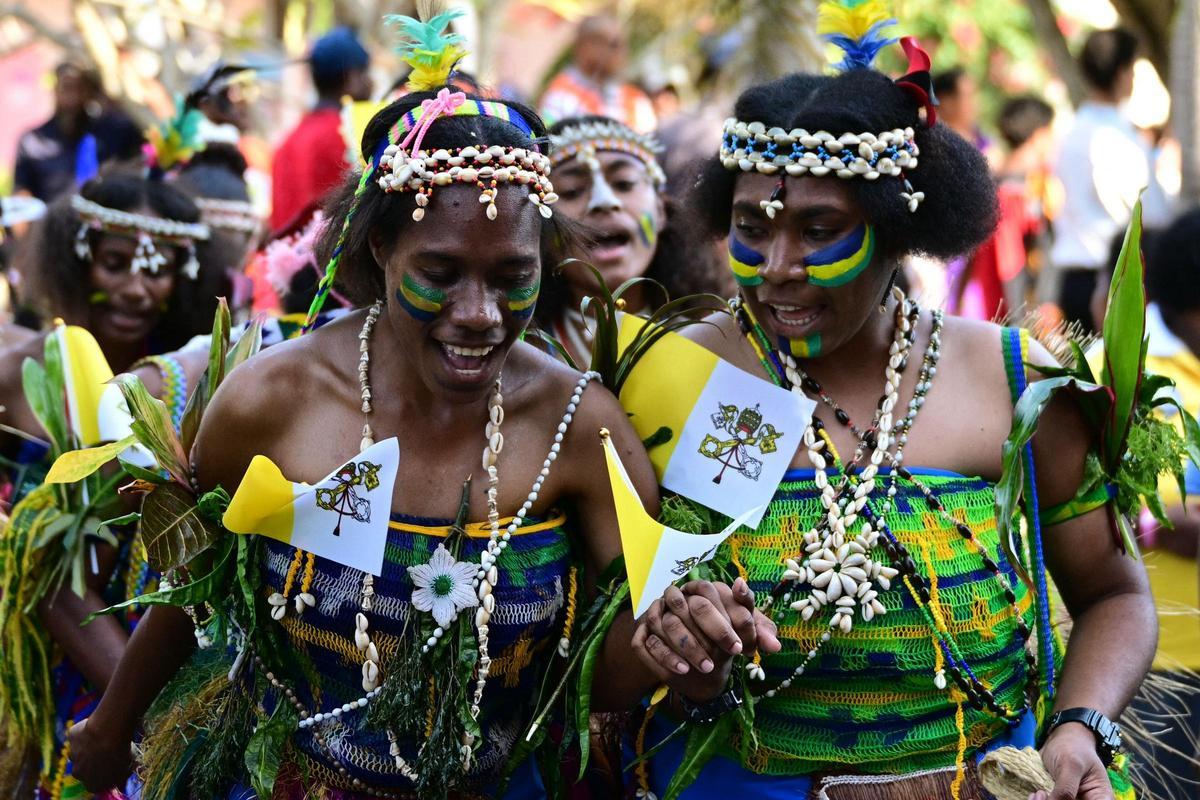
x=1045 y=25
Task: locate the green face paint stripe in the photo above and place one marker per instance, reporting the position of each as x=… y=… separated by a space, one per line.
x=842 y=271
x=422 y=302
x=808 y=347
x=648 y=228
x=744 y=262
x=521 y=301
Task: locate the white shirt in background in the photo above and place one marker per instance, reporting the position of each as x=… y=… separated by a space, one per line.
x=1103 y=164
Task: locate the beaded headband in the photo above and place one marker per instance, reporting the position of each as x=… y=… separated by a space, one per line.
x=857 y=28
x=585 y=139
x=238 y=216
x=149 y=232
x=406 y=167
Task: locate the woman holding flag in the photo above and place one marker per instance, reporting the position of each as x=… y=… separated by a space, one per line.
x=116 y=261
x=915 y=639
x=385 y=643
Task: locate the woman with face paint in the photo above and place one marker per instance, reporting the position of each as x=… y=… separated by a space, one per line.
x=118 y=260
x=911 y=645
x=342 y=681
x=609 y=180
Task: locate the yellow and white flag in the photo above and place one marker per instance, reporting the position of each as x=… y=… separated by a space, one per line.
x=86 y=377
x=655 y=556
x=732 y=434
x=343 y=518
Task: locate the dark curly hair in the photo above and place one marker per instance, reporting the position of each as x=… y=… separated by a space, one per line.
x=56 y=281
x=359 y=277
x=683 y=263
x=959 y=211
x=217 y=173
x=1173 y=264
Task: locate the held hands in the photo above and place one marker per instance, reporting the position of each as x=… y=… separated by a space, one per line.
x=689 y=636
x=1070 y=757
x=99 y=760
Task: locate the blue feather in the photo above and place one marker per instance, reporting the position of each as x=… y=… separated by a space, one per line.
x=861 y=53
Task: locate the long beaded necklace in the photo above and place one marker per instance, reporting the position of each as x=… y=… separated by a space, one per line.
x=484 y=581
x=976 y=692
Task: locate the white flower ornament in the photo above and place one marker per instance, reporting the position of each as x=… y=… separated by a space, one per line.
x=443 y=586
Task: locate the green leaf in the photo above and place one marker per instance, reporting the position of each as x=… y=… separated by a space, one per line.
x=266 y=748
x=204 y=589
x=126 y=519
x=556 y=347
x=247 y=345
x=154 y=429
x=45 y=401
x=1124 y=339
x=218 y=345
x=74 y=466
x=702 y=744
x=587 y=669
x=141 y=473
x=173 y=529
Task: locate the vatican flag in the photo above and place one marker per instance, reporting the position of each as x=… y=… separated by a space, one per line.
x=720 y=436
x=655 y=556
x=86 y=377
x=343 y=518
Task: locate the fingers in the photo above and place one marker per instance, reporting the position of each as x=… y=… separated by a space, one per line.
x=1066 y=782
x=686 y=633
x=654 y=655
x=766 y=633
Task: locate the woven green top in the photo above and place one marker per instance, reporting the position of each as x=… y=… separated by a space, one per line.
x=868 y=701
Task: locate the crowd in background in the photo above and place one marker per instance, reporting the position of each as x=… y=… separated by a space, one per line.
x=1066 y=193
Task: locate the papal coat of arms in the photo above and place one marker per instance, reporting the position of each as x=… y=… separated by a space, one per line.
x=747 y=433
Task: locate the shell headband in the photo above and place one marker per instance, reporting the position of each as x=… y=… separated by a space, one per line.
x=150 y=232
x=238 y=216
x=405 y=167
x=585 y=139
x=857 y=28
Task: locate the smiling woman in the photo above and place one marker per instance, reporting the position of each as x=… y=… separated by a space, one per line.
x=915 y=637
x=378 y=683
x=609 y=181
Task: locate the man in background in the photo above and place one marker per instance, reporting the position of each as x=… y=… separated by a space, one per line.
x=312 y=159
x=591 y=83
x=67 y=150
x=1102 y=165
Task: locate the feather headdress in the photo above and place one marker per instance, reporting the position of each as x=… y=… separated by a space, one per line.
x=426 y=46
x=176 y=140
x=858 y=28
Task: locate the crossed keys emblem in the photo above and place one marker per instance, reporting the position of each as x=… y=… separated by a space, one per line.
x=343 y=499
x=688 y=564
x=747 y=433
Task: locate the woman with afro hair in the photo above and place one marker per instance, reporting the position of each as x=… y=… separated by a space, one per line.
x=911 y=645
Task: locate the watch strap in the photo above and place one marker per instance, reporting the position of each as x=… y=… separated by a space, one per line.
x=1107 y=732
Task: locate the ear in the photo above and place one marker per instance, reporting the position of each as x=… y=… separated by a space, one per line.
x=378 y=250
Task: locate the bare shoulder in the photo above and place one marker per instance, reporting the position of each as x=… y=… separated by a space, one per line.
x=268 y=397
x=717 y=332
x=16 y=345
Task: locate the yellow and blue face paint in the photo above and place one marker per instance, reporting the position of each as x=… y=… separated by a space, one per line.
x=744 y=262
x=648 y=229
x=842 y=261
x=806 y=347
x=522 y=301
x=422 y=302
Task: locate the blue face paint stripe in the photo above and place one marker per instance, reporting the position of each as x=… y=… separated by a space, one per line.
x=841 y=249
x=744 y=254
x=841 y=272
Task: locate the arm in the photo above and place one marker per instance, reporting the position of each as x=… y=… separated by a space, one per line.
x=163 y=641
x=625 y=680
x=688 y=638
x=1107 y=594
x=96 y=648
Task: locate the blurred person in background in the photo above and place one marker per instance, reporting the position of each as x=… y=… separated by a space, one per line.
x=994 y=284
x=591 y=83
x=608 y=178
x=1103 y=164
x=958 y=107
x=312 y=159
x=67 y=150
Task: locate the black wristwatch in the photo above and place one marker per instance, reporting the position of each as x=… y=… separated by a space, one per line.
x=710 y=710
x=1107 y=732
